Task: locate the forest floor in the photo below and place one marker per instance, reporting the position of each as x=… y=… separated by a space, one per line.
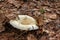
x=46 y=12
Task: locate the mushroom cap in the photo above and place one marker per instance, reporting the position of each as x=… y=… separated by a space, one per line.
x=24 y=22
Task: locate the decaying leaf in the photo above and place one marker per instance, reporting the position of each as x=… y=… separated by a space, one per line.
x=14 y=2
x=2 y=28
x=50 y=15
x=3 y=37
x=40 y=20
x=31 y=37
x=10 y=16
x=2 y=17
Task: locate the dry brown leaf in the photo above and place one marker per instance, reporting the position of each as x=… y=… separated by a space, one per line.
x=43 y=38
x=2 y=28
x=40 y=20
x=50 y=15
x=31 y=37
x=3 y=37
x=14 y=2
x=2 y=17
x=10 y=16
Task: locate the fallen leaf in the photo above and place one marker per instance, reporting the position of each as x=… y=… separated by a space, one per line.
x=14 y=2
x=31 y=37
x=50 y=15
x=2 y=17
x=2 y=28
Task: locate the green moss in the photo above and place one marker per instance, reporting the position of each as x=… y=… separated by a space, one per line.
x=42 y=10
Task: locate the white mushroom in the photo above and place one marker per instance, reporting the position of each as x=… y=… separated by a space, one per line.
x=24 y=22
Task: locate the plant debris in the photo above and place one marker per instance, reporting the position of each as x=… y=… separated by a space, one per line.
x=45 y=12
